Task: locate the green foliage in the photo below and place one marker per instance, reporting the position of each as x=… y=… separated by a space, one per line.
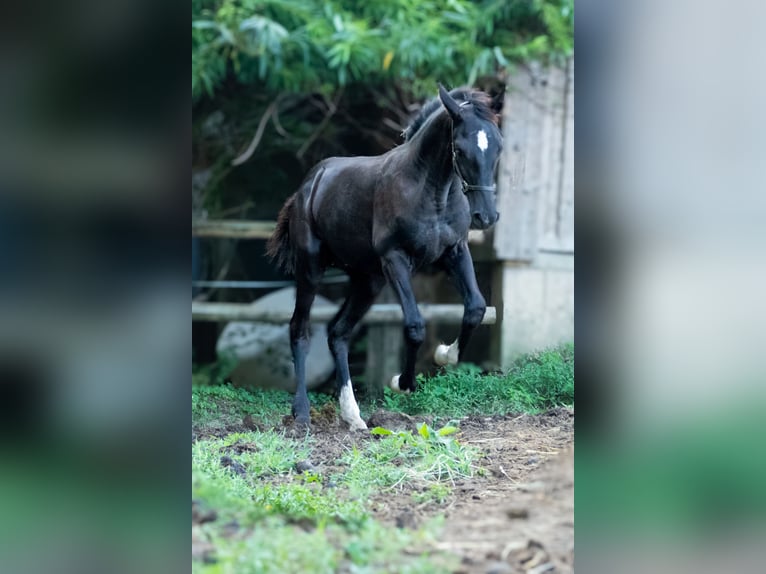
x=535 y=382
x=215 y=373
x=427 y=457
x=435 y=493
x=320 y=45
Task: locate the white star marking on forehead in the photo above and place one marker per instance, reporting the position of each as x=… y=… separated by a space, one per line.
x=481 y=140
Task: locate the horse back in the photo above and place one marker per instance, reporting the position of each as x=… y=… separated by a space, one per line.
x=338 y=199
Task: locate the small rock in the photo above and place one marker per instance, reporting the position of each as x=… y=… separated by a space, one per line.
x=249 y=423
x=476 y=497
x=201 y=515
x=230 y=528
x=304 y=465
x=536 y=486
x=305 y=524
x=542 y=568
x=516 y=513
x=499 y=568
x=513 y=548
x=406 y=520
x=228 y=462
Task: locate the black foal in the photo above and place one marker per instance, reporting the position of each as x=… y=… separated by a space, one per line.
x=381 y=219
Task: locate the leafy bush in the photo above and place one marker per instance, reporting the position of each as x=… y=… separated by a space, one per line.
x=319 y=45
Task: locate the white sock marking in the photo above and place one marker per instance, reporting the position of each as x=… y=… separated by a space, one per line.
x=481 y=140
x=394 y=384
x=349 y=410
x=447 y=355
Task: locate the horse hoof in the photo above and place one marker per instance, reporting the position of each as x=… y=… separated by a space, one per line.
x=446 y=355
x=302 y=424
x=394 y=384
x=357 y=425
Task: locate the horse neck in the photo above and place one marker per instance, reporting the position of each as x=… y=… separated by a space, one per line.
x=433 y=152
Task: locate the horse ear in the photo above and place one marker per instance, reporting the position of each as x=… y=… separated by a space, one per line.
x=449 y=102
x=497 y=102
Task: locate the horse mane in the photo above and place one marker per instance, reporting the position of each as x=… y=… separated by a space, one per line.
x=481 y=102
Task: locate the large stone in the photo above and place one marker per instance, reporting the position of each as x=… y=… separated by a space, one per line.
x=264 y=358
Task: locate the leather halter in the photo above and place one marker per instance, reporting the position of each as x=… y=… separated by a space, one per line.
x=456 y=167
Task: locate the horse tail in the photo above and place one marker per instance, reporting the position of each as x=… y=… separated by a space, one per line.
x=279 y=247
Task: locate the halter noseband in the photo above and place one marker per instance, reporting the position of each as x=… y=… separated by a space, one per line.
x=466 y=186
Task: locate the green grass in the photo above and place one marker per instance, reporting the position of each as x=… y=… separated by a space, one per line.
x=424 y=459
x=225 y=403
x=269 y=500
x=321 y=520
x=373 y=548
x=534 y=383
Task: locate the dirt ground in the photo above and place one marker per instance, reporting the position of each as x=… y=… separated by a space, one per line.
x=516 y=518
x=520 y=518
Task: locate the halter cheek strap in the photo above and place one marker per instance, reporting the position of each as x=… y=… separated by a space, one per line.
x=467 y=186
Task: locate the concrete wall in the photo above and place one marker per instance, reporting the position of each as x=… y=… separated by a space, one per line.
x=537 y=307
x=534 y=240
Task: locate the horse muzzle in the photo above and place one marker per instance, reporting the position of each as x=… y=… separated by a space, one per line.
x=481 y=220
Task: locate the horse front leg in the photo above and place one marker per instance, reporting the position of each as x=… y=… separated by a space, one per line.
x=397 y=271
x=458 y=264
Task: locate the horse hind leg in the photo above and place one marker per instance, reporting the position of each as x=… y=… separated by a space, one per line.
x=362 y=294
x=307 y=275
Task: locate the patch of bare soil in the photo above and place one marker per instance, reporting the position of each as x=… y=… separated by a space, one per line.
x=523 y=525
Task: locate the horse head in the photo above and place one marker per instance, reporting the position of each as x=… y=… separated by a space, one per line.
x=476 y=146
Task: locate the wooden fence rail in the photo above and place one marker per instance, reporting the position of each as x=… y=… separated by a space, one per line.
x=234 y=229
x=251 y=229
x=381 y=313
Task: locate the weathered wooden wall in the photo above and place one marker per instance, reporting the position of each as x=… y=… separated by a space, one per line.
x=534 y=239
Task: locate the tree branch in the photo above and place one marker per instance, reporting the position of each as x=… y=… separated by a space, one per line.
x=332 y=107
x=270 y=111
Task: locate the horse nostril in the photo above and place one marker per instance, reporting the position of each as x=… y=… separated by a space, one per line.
x=481 y=220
